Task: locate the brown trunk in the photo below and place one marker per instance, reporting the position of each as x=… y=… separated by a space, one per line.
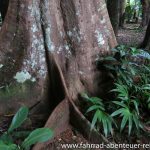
x=113 y=10
x=146 y=42
x=122 y=13
x=51 y=47
x=3 y=8
x=145 y=12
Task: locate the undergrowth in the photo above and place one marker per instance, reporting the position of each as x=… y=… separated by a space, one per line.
x=130 y=108
x=14 y=139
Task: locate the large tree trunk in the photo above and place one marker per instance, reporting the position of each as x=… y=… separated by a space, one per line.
x=114 y=10
x=146 y=42
x=3 y=8
x=122 y=13
x=145 y=12
x=51 y=46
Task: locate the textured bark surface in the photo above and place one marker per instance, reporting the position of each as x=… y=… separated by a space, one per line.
x=51 y=47
x=145 y=12
x=50 y=39
x=3 y=8
x=122 y=4
x=146 y=42
x=114 y=10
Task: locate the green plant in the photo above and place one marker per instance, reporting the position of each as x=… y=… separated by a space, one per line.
x=100 y=117
x=8 y=139
x=128 y=108
x=130 y=69
x=128 y=115
x=130 y=66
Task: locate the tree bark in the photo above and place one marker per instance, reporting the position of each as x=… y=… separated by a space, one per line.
x=113 y=11
x=145 y=12
x=146 y=42
x=122 y=13
x=50 y=47
x=3 y=8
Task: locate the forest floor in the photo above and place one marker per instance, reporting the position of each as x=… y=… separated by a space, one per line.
x=130 y=35
x=72 y=138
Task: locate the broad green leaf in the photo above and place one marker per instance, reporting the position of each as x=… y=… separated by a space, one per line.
x=19 y=118
x=121 y=90
x=38 y=135
x=133 y=72
x=109 y=124
x=96 y=100
x=117 y=112
x=6 y=138
x=126 y=112
x=3 y=146
x=146 y=87
x=94 y=120
x=123 y=123
x=130 y=124
x=105 y=126
x=120 y=104
x=94 y=107
x=110 y=58
x=136 y=121
x=136 y=106
x=100 y=116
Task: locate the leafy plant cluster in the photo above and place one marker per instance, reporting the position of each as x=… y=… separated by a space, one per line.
x=100 y=116
x=8 y=141
x=130 y=69
x=132 y=75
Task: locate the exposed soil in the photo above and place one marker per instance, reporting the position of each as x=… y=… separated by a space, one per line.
x=4 y=123
x=71 y=136
x=130 y=35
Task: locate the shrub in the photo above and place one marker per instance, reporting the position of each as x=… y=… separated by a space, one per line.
x=100 y=117
x=8 y=139
x=130 y=69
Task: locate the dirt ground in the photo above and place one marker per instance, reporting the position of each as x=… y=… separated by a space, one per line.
x=131 y=35
x=71 y=136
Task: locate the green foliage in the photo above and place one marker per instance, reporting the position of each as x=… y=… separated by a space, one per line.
x=130 y=69
x=131 y=86
x=100 y=117
x=8 y=139
x=128 y=109
x=3 y=146
x=38 y=135
x=19 y=118
x=127 y=116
